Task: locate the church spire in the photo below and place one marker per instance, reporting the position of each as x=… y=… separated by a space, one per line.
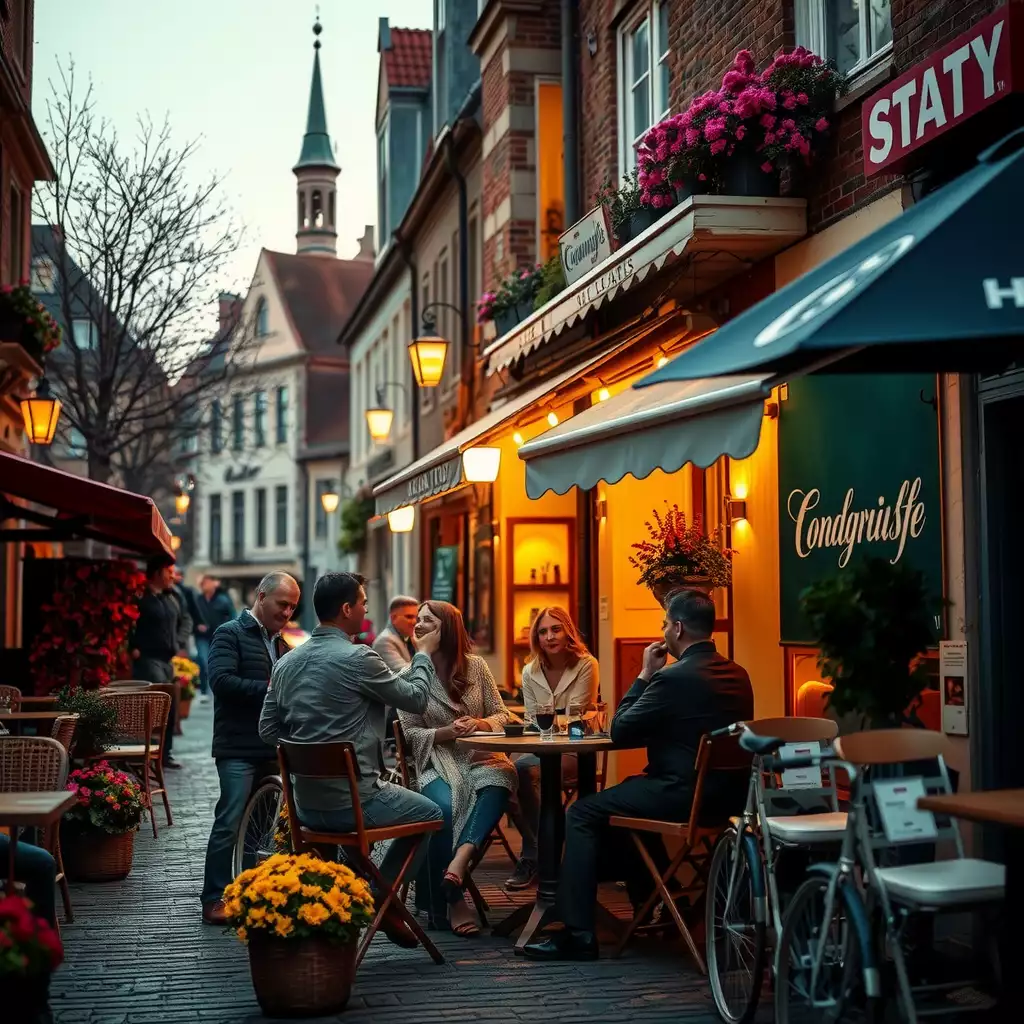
x=316 y=173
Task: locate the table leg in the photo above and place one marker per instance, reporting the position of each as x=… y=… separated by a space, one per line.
x=1013 y=908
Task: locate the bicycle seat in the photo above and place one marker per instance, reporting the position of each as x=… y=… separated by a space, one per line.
x=759 y=744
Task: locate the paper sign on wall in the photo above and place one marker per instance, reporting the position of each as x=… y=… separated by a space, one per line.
x=902 y=821
x=953 y=676
x=801 y=778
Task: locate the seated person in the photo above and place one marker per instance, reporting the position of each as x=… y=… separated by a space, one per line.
x=563 y=672
x=667 y=710
x=331 y=689
x=37 y=869
x=471 y=787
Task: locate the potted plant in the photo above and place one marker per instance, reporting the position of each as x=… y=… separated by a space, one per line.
x=25 y=320
x=871 y=624
x=511 y=302
x=552 y=281
x=669 y=168
x=97 y=719
x=98 y=835
x=186 y=672
x=30 y=951
x=355 y=514
x=678 y=556
x=627 y=213
x=300 y=918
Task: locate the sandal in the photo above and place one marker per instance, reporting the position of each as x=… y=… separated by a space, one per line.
x=466 y=930
x=452 y=886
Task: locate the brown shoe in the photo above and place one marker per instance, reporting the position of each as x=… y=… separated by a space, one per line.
x=398 y=931
x=213 y=913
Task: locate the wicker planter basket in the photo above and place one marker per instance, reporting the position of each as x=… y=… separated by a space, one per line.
x=301 y=977
x=184 y=708
x=93 y=856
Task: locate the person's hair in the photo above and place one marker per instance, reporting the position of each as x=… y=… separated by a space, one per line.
x=454 y=647
x=402 y=601
x=272 y=581
x=157 y=563
x=574 y=646
x=333 y=590
x=695 y=610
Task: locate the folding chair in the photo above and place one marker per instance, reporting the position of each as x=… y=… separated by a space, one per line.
x=338 y=761
x=409 y=781
x=721 y=754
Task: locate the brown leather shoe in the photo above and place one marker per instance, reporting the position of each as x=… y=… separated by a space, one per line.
x=213 y=913
x=396 y=929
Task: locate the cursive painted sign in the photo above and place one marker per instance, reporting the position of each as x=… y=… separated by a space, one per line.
x=884 y=522
x=586 y=244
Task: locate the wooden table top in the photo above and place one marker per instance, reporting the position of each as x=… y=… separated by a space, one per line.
x=34 y=810
x=39 y=700
x=533 y=744
x=993 y=806
x=31 y=716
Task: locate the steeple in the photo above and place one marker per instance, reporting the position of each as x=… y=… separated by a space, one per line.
x=316 y=172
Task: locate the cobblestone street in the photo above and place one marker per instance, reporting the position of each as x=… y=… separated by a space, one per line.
x=138 y=952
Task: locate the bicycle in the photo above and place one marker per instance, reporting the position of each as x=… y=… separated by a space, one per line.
x=743 y=911
x=254 y=840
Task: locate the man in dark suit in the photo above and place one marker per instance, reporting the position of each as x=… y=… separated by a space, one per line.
x=668 y=710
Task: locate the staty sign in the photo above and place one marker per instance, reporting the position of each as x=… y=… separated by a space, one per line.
x=967 y=75
x=585 y=245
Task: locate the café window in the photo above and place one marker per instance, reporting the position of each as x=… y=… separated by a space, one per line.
x=854 y=33
x=644 y=69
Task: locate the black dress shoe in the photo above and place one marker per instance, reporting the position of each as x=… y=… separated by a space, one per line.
x=567 y=944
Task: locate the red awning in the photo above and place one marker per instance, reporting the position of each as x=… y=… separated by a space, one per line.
x=83 y=508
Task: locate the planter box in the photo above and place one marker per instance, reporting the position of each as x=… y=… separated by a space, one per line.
x=301 y=977
x=94 y=856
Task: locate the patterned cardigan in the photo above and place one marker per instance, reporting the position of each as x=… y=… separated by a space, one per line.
x=465 y=771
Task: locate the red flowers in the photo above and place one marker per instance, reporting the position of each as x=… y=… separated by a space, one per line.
x=108 y=799
x=677 y=550
x=45 y=331
x=29 y=946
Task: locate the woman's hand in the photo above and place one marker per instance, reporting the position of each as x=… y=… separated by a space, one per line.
x=469 y=725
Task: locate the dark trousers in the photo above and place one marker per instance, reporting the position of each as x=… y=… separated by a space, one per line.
x=596 y=852
x=155 y=670
x=38 y=870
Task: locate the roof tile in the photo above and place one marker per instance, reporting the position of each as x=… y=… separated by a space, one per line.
x=408 y=62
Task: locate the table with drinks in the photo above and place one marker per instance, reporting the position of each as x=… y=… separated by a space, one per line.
x=579 y=730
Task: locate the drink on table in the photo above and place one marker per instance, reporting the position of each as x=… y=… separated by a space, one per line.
x=545 y=716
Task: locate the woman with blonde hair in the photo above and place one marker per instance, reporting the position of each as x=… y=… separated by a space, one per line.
x=563 y=672
x=471 y=788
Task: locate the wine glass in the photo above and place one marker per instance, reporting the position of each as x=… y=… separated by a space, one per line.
x=545 y=716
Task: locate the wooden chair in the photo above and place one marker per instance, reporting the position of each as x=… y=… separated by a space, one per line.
x=141 y=723
x=338 y=761
x=37 y=764
x=13 y=694
x=126 y=684
x=64 y=731
x=409 y=781
x=721 y=754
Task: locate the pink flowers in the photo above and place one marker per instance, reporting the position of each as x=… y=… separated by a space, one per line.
x=821 y=125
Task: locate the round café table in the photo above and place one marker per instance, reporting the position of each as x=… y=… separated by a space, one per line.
x=551 y=835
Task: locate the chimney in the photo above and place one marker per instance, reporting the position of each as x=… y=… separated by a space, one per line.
x=229 y=310
x=366 y=250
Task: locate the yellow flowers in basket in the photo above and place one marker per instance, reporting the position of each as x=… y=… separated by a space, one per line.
x=299 y=896
x=185 y=673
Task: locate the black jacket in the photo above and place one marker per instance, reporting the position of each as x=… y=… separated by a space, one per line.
x=240 y=668
x=699 y=693
x=156 y=630
x=215 y=612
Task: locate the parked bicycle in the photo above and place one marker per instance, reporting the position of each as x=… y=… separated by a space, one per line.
x=254 y=840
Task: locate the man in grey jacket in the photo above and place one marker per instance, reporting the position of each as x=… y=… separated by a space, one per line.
x=394 y=644
x=331 y=689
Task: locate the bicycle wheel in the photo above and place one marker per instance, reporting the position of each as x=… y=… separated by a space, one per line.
x=255 y=838
x=735 y=936
x=838 y=992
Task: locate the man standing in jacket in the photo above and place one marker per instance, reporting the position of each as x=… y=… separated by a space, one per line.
x=333 y=689
x=242 y=656
x=394 y=644
x=215 y=608
x=667 y=710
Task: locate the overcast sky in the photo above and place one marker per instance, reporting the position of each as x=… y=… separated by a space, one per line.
x=236 y=74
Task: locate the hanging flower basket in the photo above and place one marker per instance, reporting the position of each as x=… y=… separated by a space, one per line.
x=23 y=319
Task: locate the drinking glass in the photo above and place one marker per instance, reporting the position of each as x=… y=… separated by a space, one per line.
x=577 y=726
x=545 y=717
x=562 y=721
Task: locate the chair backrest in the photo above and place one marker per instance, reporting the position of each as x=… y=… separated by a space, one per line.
x=32 y=764
x=722 y=755
x=812 y=699
x=796 y=730
x=774 y=795
x=64 y=731
x=892 y=746
x=336 y=760
x=407 y=770
x=10 y=694
x=141 y=718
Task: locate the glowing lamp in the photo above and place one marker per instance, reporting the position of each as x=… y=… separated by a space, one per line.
x=378 y=422
x=552 y=420
x=402 y=520
x=329 y=500
x=427 y=355
x=518 y=439
x=660 y=361
x=40 y=414
x=481 y=465
x=181 y=503
x=603 y=395
x=175 y=542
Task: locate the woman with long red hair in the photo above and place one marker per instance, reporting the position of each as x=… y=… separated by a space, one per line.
x=471 y=788
x=563 y=672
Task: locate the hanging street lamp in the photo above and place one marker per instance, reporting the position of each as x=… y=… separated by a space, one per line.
x=40 y=413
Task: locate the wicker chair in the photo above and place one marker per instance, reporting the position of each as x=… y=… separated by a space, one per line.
x=11 y=693
x=64 y=731
x=141 y=723
x=37 y=764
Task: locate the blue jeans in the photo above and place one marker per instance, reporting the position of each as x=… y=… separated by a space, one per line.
x=238 y=779
x=487 y=811
x=38 y=870
x=392 y=805
x=203 y=657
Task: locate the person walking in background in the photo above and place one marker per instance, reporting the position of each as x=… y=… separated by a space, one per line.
x=331 y=689
x=395 y=645
x=667 y=710
x=156 y=638
x=243 y=653
x=561 y=672
x=215 y=607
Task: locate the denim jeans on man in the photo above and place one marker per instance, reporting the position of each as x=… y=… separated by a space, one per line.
x=38 y=870
x=238 y=778
x=490 y=805
x=392 y=805
x=203 y=657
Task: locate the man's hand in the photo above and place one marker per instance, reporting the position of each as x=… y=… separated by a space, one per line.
x=428 y=643
x=655 y=657
x=201 y=628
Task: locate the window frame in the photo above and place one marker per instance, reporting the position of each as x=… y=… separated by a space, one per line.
x=238 y=519
x=281 y=397
x=237 y=423
x=261 y=517
x=323 y=485
x=216 y=520
x=383 y=174
x=77 y=446
x=216 y=427
x=259 y=418
x=281 y=509
x=93 y=339
x=262 y=318
x=811 y=24
x=659 y=107
x=43 y=275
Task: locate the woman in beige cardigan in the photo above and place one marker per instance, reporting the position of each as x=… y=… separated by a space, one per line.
x=563 y=672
